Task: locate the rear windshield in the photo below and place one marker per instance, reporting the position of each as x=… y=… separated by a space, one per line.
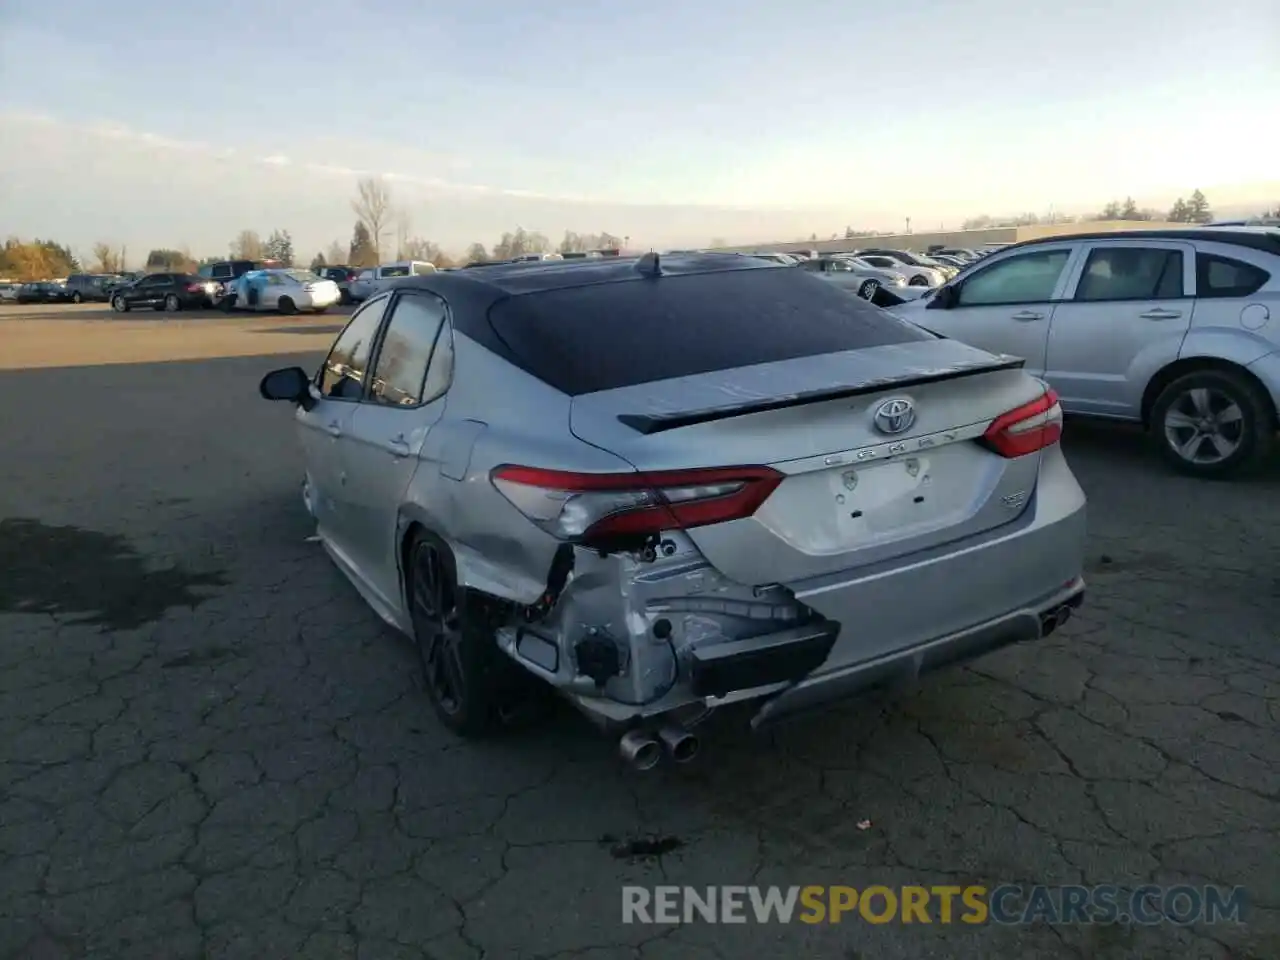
x=612 y=335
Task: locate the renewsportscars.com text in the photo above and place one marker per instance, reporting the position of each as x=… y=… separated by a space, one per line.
x=943 y=904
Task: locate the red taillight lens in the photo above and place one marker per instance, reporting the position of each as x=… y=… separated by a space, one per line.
x=595 y=507
x=1028 y=428
x=195 y=287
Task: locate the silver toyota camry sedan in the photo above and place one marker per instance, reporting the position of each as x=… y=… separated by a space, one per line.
x=658 y=486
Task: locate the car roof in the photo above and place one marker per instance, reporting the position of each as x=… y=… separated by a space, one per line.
x=472 y=293
x=536 y=276
x=1266 y=239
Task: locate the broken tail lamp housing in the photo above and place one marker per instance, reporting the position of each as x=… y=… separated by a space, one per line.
x=603 y=508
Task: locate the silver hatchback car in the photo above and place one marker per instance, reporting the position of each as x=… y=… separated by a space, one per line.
x=1170 y=328
x=659 y=486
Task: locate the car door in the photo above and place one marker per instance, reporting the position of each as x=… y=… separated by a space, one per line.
x=1005 y=306
x=1125 y=314
x=145 y=292
x=406 y=397
x=337 y=388
x=362 y=286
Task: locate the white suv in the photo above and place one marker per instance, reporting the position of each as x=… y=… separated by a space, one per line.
x=1178 y=329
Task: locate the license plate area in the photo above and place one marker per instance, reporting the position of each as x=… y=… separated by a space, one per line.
x=891 y=499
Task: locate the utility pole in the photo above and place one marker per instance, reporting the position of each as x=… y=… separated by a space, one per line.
x=908 y=224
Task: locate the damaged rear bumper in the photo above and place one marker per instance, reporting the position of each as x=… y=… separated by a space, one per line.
x=902 y=666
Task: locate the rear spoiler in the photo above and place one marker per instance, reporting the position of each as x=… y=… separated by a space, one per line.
x=649 y=423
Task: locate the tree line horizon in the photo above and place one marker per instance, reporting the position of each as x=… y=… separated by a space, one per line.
x=381 y=226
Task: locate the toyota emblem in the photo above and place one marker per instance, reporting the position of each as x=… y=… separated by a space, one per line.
x=895 y=416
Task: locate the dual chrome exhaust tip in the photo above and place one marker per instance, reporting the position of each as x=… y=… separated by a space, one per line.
x=644 y=750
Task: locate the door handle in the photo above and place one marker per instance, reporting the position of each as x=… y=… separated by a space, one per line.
x=398 y=446
x=1161 y=314
x=335 y=429
x=1028 y=315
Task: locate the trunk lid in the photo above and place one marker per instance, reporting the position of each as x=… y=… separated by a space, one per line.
x=855 y=493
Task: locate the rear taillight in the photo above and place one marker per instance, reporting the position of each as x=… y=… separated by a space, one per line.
x=1028 y=428
x=595 y=508
x=195 y=288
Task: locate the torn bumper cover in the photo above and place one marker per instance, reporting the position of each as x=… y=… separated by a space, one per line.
x=903 y=666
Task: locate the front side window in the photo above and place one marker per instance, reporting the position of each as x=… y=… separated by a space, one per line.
x=1223 y=277
x=401 y=369
x=395 y=271
x=1026 y=278
x=343 y=374
x=1131 y=273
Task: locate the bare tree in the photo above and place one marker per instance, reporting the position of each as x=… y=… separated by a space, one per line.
x=247 y=246
x=335 y=254
x=106 y=258
x=404 y=224
x=373 y=206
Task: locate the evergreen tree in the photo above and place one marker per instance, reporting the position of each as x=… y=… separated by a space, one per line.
x=363 y=253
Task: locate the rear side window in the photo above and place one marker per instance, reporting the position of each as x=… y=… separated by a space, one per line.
x=1131 y=273
x=400 y=371
x=612 y=335
x=1223 y=277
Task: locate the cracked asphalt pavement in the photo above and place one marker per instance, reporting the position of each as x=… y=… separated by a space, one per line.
x=209 y=746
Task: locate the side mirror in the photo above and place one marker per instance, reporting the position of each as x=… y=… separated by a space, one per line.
x=289 y=383
x=944 y=298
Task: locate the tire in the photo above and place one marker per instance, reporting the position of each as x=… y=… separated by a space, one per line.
x=119 y=304
x=1238 y=414
x=460 y=665
x=868 y=289
x=496 y=693
x=77 y=298
x=172 y=303
x=287 y=306
x=919 y=280
x=226 y=302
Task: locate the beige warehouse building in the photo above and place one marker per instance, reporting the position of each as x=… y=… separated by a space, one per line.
x=966 y=239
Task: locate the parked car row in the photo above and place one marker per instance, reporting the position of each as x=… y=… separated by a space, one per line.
x=882 y=267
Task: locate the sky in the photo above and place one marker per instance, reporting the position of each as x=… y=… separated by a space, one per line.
x=670 y=123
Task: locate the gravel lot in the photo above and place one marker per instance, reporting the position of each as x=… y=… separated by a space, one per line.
x=209 y=747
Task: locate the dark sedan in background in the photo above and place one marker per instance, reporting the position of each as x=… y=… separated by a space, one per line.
x=43 y=292
x=165 y=291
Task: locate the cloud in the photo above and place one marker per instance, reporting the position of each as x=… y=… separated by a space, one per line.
x=122 y=133
x=110 y=181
